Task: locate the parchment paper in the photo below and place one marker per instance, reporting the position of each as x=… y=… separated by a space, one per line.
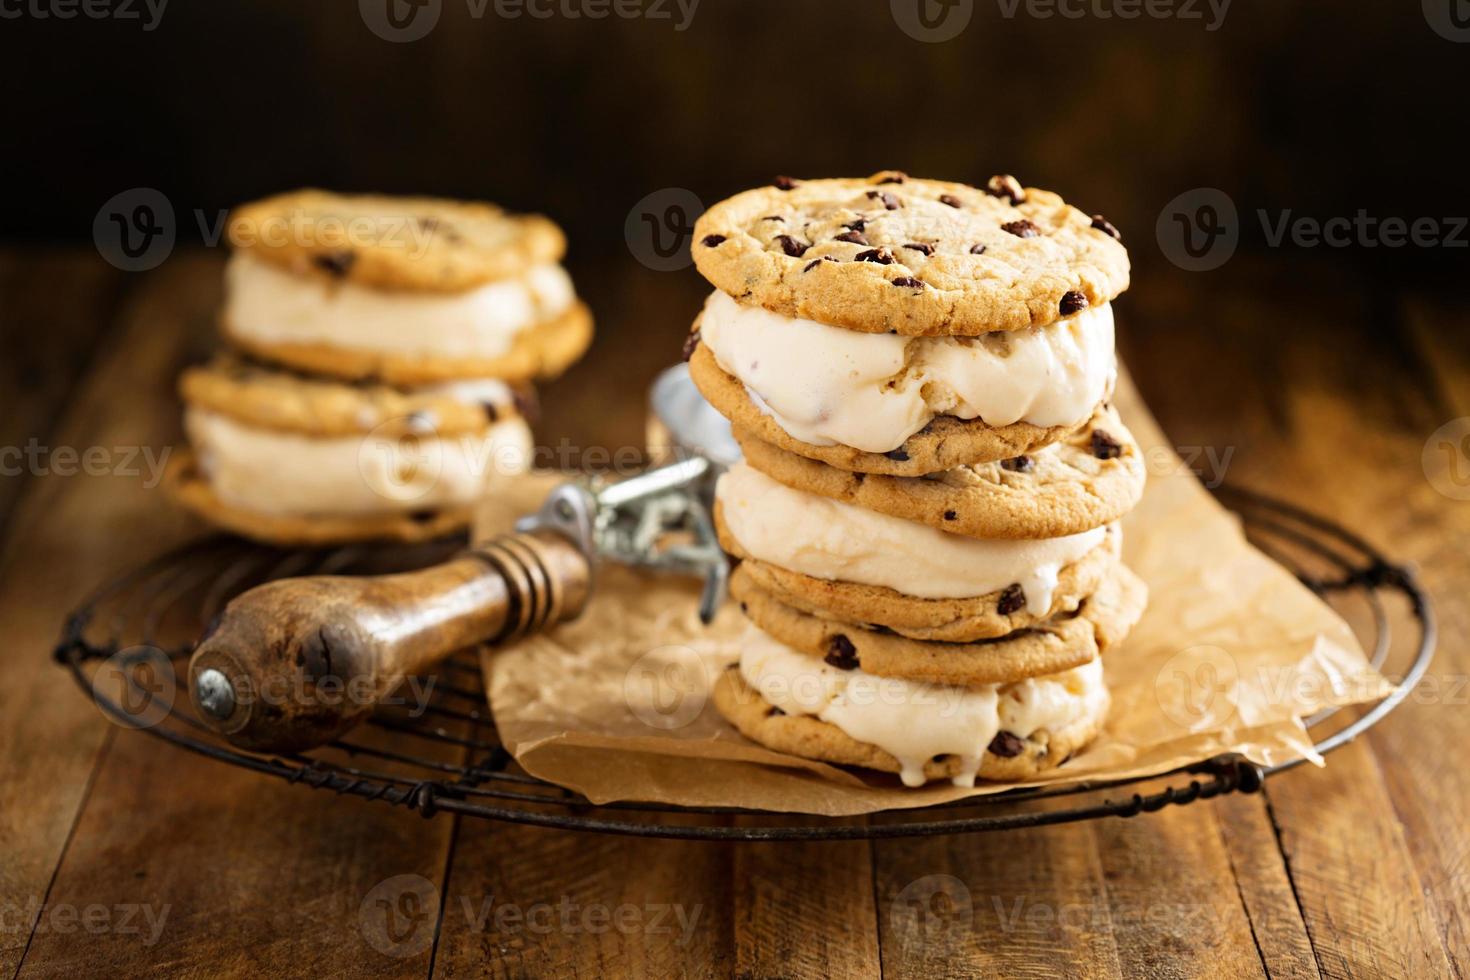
x=1232 y=653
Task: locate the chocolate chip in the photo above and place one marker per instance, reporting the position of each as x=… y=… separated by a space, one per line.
x=950 y=515
x=889 y=200
x=856 y=224
x=433 y=226
x=816 y=262
x=893 y=177
x=1007 y=745
x=784 y=183
x=977 y=249
x=908 y=281
x=1073 y=302
x=879 y=255
x=691 y=342
x=923 y=247
x=774 y=217
x=1018 y=464
x=1013 y=599
x=1006 y=186
x=336 y=263
x=897 y=455
x=792 y=246
x=1021 y=229
x=526 y=403
x=492 y=412
x=775 y=712
x=951 y=200
x=1106 y=227
x=744 y=608
x=855 y=237
x=1105 y=446
x=710 y=241
x=841 y=653
x=422 y=516
x=859 y=477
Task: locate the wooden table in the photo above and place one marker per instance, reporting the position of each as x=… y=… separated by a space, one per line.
x=1325 y=387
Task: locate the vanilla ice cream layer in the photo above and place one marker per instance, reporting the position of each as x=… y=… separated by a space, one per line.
x=269 y=304
x=276 y=472
x=831 y=540
x=914 y=721
x=827 y=386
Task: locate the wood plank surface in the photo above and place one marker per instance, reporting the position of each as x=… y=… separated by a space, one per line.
x=1361 y=869
x=243 y=876
x=68 y=533
x=805 y=910
x=532 y=902
x=1334 y=419
x=1028 y=903
x=54 y=305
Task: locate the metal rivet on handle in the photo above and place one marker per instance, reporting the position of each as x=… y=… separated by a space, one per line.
x=214 y=693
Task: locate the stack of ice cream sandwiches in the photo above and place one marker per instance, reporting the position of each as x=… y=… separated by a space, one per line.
x=378 y=376
x=919 y=375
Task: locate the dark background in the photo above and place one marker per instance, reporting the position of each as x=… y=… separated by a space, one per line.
x=1319 y=108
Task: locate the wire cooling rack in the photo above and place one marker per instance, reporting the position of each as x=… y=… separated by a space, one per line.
x=128 y=645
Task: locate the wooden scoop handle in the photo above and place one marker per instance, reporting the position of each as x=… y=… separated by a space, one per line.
x=293 y=663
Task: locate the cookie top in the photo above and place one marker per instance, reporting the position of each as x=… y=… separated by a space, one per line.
x=278 y=399
x=1088 y=479
x=916 y=257
x=410 y=243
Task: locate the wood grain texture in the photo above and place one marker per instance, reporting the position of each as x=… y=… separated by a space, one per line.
x=1334 y=419
x=805 y=910
x=54 y=304
x=529 y=902
x=1029 y=903
x=1175 y=909
x=68 y=533
x=1277 y=928
x=242 y=875
x=1357 y=870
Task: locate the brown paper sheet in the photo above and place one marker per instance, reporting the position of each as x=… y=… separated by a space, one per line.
x=1232 y=653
